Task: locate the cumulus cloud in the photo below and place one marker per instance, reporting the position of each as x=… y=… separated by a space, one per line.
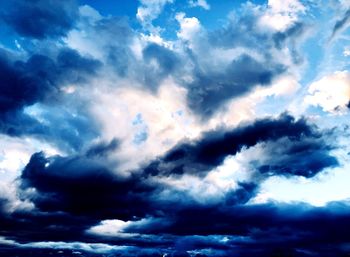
x=331 y=93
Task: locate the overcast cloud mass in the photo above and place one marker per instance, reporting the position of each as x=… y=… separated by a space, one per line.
x=174 y=128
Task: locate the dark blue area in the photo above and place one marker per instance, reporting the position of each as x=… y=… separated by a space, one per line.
x=40 y=18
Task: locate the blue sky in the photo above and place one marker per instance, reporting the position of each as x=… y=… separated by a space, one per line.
x=174 y=128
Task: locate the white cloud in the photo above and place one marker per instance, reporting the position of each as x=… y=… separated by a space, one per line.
x=76 y=246
x=189 y=27
x=109 y=227
x=150 y=10
x=9 y=193
x=165 y=114
x=346 y=51
x=281 y=14
x=17 y=153
x=199 y=3
x=13 y=159
x=345 y=3
x=331 y=93
x=116 y=227
x=324 y=188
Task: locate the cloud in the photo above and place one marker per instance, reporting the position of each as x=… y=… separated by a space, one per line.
x=239 y=57
x=341 y=24
x=150 y=10
x=134 y=143
x=102 y=149
x=281 y=15
x=305 y=158
x=163 y=62
x=235 y=80
x=200 y=3
x=264 y=229
x=53 y=18
x=89 y=185
x=84 y=186
x=331 y=93
x=232 y=67
x=296 y=139
x=40 y=80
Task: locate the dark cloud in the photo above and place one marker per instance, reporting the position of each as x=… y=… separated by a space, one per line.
x=24 y=83
x=39 y=80
x=41 y=19
x=303 y=143
x=17 y=123
x=341 y=23
x=73 y=68
x=242 y=195
x=211 y=90
x=166 y=63
x=84 y=186
x=210 y=230
x=267 y=229
x=102 y=149
x=305 y=157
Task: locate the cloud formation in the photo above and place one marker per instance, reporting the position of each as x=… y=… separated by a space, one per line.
x=161 y=133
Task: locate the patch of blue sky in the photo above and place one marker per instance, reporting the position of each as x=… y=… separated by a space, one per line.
x=9 y=40
x=142 y=130
x=140 y=137
x=137 y=120
x=272 y=105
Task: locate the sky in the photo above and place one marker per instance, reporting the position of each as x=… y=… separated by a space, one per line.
x=174 y=128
